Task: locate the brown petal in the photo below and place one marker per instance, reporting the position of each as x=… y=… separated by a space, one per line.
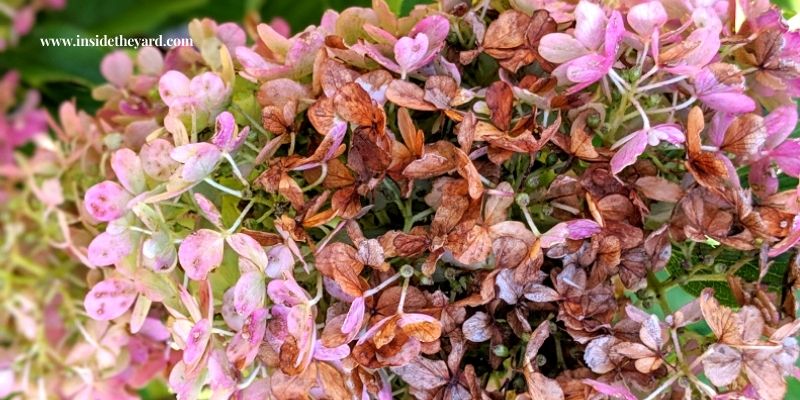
x=408 y=95
x=423 y=373
x=354 y=105
x=478 y=328
x=440 y=90
x=659 y=189
x=413 y=138
x=723 y=365
x=722 y=320
x=746 y=135
x=500 y=100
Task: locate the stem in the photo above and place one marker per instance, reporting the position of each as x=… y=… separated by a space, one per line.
x=403 y=296
x=382 y=285
x=241 y=217
x=318 y=296
x=531 y=224
x=664 y=386
x=653 y=282
x=223 y=188
x=661 y=84
x=648 y=74
x=236 y=170
x=322 y=175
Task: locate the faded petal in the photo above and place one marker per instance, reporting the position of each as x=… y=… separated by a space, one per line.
x=279 y=262
x=173 y=86
x=573 y=230
x=108 y=248
x=201 y=252
x=249 y=293
x=197 y=341
x=128 y=168
x=410 y=52
x=590 y=24
x=117 y=67
x=106 y=201
x=560 y=47
x=647 y=17
x=198 y=159
x=109 y=299
x=629 y=152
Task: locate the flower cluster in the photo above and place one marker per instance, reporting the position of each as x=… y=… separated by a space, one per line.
x=17 y=18
x=497 y=200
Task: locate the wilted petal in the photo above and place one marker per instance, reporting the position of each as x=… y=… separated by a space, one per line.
x=786 y=156
x=355 y=316
x=286 y=292
x=477 y=328
x=225 y=126
x=723 y=365
x=665 y=132
x=248 y=248
x=587 y=69
x=106 y=201
x=435 y=27
x=208 y=209
x=615 y=391
x=573 y=230
x=109 y=299
x=330 y=353
x=201 y=252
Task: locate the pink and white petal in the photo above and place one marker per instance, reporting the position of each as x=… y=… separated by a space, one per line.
x=249 y=293
x=589 y=68
x=279 y=262
x=208 y=209
x=615 y=391
x=330 y=353
x=645 y=18
x=708 y=38
x=286 y=292
x=224 y=129
x=410 y=52
x=117 y=68
x=629 y=152
x=197 y=341
x=560 y=47
x=247 y=247
x=671 y=133
x=172 y=86
x=156 y=161
x=762 y=178
x=613 y=35
x=109 y=299
x=128 y=168
x=199 y=160
x=574 y=230
x=106 y=201
x=200 y=253
x=108 y=249
x=590 y=24
x=244 y=345
x=375 y=54
x=355 y=316
x=780 y=123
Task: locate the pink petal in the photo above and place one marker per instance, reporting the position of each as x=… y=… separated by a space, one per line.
x=197 y=341
x=410 y=52
x=117 y=67
x=708 y=37
x=375 y=54
x=231 y=35
x=590 y=23
x=225 y=126
x=780 y=123
x=208 y=209
x=128 y=168
x=109 y=299
x=787 y=156
x=249 y=292
x=355 y=316
x=156 y=160
x=279 y=262
x=330 y=353
x=173 y=86
x=435 y=27
x=286 y=292
x=629 y=152
x=728 y=102
x=613 y=35
x=199 y=160
x=248 y=248
x=615 y=391
x=574 y=230
x=108 y=249
x=201 y=252
x=587 y=69
x=647 y=17
x=150 y=61
x=243 y=347
x=106 y=201
x=762 y=178
x=559 y=48
x=671 y=133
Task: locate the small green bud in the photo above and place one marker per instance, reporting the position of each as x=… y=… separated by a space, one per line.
x=541 y=360
x=634 y=74
x=532 y=181
x=593 y=121
x=500 y=351
x=113 y=141
x=406 y=271
x=523 y=200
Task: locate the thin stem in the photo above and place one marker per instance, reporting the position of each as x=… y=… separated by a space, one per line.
x=403 y=296
x=661 y=84
x=318 y=296
x=250 y=378
x=223 y=188
x=322 y=175
x=530 y=222
x=235 y=168
x=664 y=386
x=648 y=74
x=382 y=285
x=618 y=81
x=239 y=220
